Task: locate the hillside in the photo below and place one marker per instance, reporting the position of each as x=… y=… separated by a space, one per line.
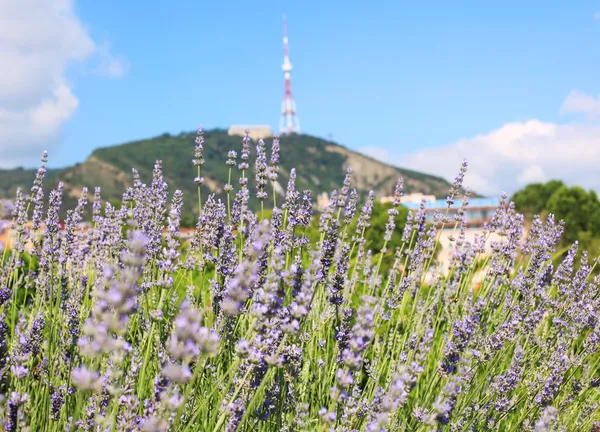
x=320 y=166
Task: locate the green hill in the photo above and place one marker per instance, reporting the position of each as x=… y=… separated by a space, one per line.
x=320 y=166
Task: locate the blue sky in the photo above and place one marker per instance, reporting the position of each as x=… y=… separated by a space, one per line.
x=395 y=79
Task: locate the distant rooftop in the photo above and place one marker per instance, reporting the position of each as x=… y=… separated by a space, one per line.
x=410 y=198
x=256 y=131
x=441 y=203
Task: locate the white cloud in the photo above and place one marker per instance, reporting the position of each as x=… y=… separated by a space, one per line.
x=512 y=156
x=376 y=153
x=532 y=174
x=578 y=102
x=109 y=65
x=39 y=40
x=597 y=16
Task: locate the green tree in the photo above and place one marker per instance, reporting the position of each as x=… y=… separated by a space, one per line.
x=187 y=221
x=379 y=219
x=533 y=198
x=579 y=209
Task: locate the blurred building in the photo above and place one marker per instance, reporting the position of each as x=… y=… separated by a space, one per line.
x=279 y=190
x=414 y=198
x=255 y=131
x=8 y=236
x=417 y=198
x=479 y=210
x=448 y=236
x=322 y=200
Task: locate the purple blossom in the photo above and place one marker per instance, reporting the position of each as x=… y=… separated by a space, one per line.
x=239 y=287
x=245 y=155
x=188 y=341
x=362 y=333
x=343 y=196
x=458 y=181
x=350 y=210
x=199 y=148
x=231 y=157
x=261 y=170
x=86 y=380
x=393 y=212
x=365 y=215
x=274 y=162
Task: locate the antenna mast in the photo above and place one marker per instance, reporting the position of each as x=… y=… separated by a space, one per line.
x=289 y=122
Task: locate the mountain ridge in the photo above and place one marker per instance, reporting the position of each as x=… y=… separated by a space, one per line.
x=320 y=167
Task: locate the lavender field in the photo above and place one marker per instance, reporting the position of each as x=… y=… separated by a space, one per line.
x=252 y=324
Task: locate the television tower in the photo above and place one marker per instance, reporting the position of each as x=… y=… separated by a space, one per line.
x=289 y=122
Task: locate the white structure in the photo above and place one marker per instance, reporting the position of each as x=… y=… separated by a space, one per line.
x=414 y=198
x=471 y=234
x=279 y=189
x=289 y=122
x=417 y=198
x=255 y=131
x=322 y=200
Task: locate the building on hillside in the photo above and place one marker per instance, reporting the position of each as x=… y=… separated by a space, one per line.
x=279 y=190
x=8 y=235
x=415 y=198
x=479 y=210
x=322 y=200
x=4 y=233
x=6 y=208
x=256 y=132
x=447 y=239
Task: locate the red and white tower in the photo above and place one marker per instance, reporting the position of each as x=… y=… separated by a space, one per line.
x=289 y=122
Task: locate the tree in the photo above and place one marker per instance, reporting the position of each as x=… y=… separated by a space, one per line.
x=533 y=198
x=579 y=209
x=379 y=219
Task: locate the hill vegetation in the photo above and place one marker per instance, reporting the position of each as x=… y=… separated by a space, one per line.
x=320 y=164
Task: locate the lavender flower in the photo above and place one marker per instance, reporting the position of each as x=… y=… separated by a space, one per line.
x=274 y=162
x=117 y=301
x=455 y=189
x=343 y=196
x=261 y=170
x=15 y=410
x=508 y=381
x=245 y=155
x=546 y=419
x=190 y=339
x=199 y=148
x=365 y=215
x=362 y=333
x=231 y=157
x=57 y=400
x=5 y=294
x=350 y=210
x=86 y=380
x=239 y=287
x=393 y=212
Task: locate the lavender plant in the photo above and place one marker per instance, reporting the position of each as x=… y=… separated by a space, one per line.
x=250 y=326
